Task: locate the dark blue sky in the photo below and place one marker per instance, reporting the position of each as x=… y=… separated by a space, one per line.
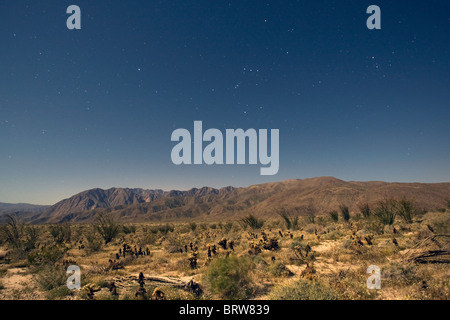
x=96 y=107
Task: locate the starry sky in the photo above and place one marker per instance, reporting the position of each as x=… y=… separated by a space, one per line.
x=96 y=107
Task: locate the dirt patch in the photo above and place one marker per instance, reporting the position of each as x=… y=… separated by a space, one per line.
x=18 y=284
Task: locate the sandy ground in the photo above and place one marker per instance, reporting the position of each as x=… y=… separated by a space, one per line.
x=18 y=284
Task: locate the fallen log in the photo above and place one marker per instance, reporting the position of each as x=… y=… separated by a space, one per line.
x=432 y=256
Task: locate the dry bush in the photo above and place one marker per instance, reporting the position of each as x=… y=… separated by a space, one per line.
x=252 y=222
x=386 y=211
x=303 y=290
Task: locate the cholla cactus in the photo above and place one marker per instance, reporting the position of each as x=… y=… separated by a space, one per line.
x=158 y=294
x=193 y=260
x=223 y=243
x=141 y=292
x=309 y=272
x=89 y=290
x=112 y=288
x=271 y=244
x=254 y=248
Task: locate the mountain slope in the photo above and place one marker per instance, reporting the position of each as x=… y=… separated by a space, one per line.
x=297 y=196
x=94 y=199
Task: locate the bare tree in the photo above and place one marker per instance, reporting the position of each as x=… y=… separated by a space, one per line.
x=12 y=231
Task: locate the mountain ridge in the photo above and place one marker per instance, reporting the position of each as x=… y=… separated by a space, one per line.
x=298 y=196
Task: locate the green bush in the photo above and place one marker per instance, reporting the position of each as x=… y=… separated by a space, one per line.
x=345 y=212
x=334 y=215
x=228 y=277
x=59 y=293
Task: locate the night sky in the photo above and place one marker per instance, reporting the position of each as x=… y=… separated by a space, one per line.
x=96 y=107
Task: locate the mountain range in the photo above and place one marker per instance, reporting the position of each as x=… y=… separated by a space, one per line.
x=297 y=196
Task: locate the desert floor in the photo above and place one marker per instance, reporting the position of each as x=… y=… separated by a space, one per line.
x=315 y=258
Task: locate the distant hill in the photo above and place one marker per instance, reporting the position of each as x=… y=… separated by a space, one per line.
x=6 y=208
x=297 y=196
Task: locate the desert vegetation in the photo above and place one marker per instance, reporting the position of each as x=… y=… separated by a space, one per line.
x=290 y=256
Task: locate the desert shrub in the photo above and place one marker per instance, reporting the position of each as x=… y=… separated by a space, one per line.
x=31 y=238
x=440 y=222
x=93 y=242
x=405 y=209
x=296 y=241
x=48 y=255
x=448 y=203
x=61 y=233
x=365 y=210
x=106 y=227
x=385 y=211
x=12 y=232
x=147 y=239
x=374 y=225
x=278 y=269
x=291 y=222
x=345 y=212
x=127 y=229
x=303 y=290
x=163 y=229
x=51 y=277
x=192 y=226
x=351 y=285
x=228 y=226
x=252 y=222
x=397 y=274
x=228 y=277
x=59 y=292
x=311 y=217
x=334 y=215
